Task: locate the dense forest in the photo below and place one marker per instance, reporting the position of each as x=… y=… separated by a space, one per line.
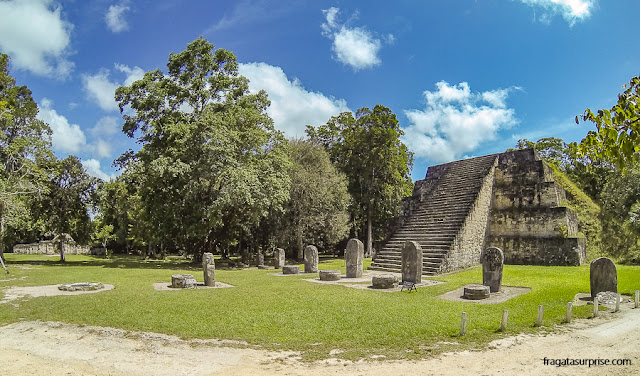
x=213 y=174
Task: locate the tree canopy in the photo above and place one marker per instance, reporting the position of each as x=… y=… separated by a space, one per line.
x=616 y=137
x=367 y=149
x=211 y=164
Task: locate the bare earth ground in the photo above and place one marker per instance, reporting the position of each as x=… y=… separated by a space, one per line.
x=46 y=348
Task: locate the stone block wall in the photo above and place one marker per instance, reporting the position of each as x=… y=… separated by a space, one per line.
x=48 y=247
x=527 y=220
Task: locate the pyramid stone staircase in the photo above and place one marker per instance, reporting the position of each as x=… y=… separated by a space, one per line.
x=447 y=215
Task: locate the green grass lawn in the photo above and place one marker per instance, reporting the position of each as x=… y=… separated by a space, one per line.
x=290 y=313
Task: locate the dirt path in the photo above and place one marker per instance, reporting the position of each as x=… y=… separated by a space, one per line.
x=41 y=348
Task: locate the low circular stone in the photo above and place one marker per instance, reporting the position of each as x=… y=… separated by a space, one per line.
x=329 y=275
x=607 y=297
x=476 y=292
x=290 y=269
x=183 y=281
x=384 y=281
x=81 y=286
x=263 y=267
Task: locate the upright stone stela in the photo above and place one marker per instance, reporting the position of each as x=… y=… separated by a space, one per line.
x=492 y=265
x=411 y=262
x=209 y=268
x=278 y=258
x=311 y=259
x=354 y=258
x=603 y=276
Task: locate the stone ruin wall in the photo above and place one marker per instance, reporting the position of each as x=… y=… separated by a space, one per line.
x=469 y=243
x=527 y=220
x=48 y=247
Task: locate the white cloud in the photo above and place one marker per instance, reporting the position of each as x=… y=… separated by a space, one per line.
x=292 y=106
x=571 y=10
x=356 y=47
x=66 y=137
x=106 y=126
x=94 y=169
x=252 y=12
x=456 y=121
x=115 y=18
x=36 y=37
x=102 y=90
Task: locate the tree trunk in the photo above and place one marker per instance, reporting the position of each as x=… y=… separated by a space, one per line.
x=61 y=245
x=369 y=249
x=1 y=236
x=299 y=244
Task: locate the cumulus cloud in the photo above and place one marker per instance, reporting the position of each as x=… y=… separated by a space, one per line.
x=292 y=106
x=356 y=47
x=106 y=126
x=571 y=10
x=115 y=18
x=102 y=90
x=36 y=36
x=455 y=121
x=94 y=169
x=66 y=137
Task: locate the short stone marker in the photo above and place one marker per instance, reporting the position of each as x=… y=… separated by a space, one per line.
x=329 y=275
x=354 y=258
x=603 y=276
x=278 y=258
x=81 y=286
x=209 y=268
x=384 y=281
x=411 y=262
x=259 y=259
x=311 y=259
x=476 y=292
x=183 y=281
x=290 y=269
x=492 y=264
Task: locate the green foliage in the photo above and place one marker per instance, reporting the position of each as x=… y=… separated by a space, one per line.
x=267 y=311
x=211 y=166
x=25 y=147
x=616 y=137
x=620 y=198
x=316 y=212
x=368 y=150
x=69 y=197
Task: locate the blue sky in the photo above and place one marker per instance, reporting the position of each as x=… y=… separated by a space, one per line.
x=465 y=78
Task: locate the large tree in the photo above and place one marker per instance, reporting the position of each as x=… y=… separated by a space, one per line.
x=367 y=149
x=69 y=198
x=211 y=164
x=316 y=212
x=25 y=147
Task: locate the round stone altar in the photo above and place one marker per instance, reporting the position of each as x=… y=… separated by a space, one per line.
x=476 y=292
x=329 y=275
x=384 y=281
x=81 y=286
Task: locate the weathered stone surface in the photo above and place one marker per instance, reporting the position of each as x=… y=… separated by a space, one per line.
x=492 y=264
x=329 y=275
x=209 y=268
x=412 y=262
x=603 y=276
x=608 y=297
x=259 y=259
x=311 y=259
x=278 y=258
x=384 y=281
x=354 y=258
x=81 y=286
x=476 y=292
x=290 y=269
x=264 y=267
x=183 y=281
